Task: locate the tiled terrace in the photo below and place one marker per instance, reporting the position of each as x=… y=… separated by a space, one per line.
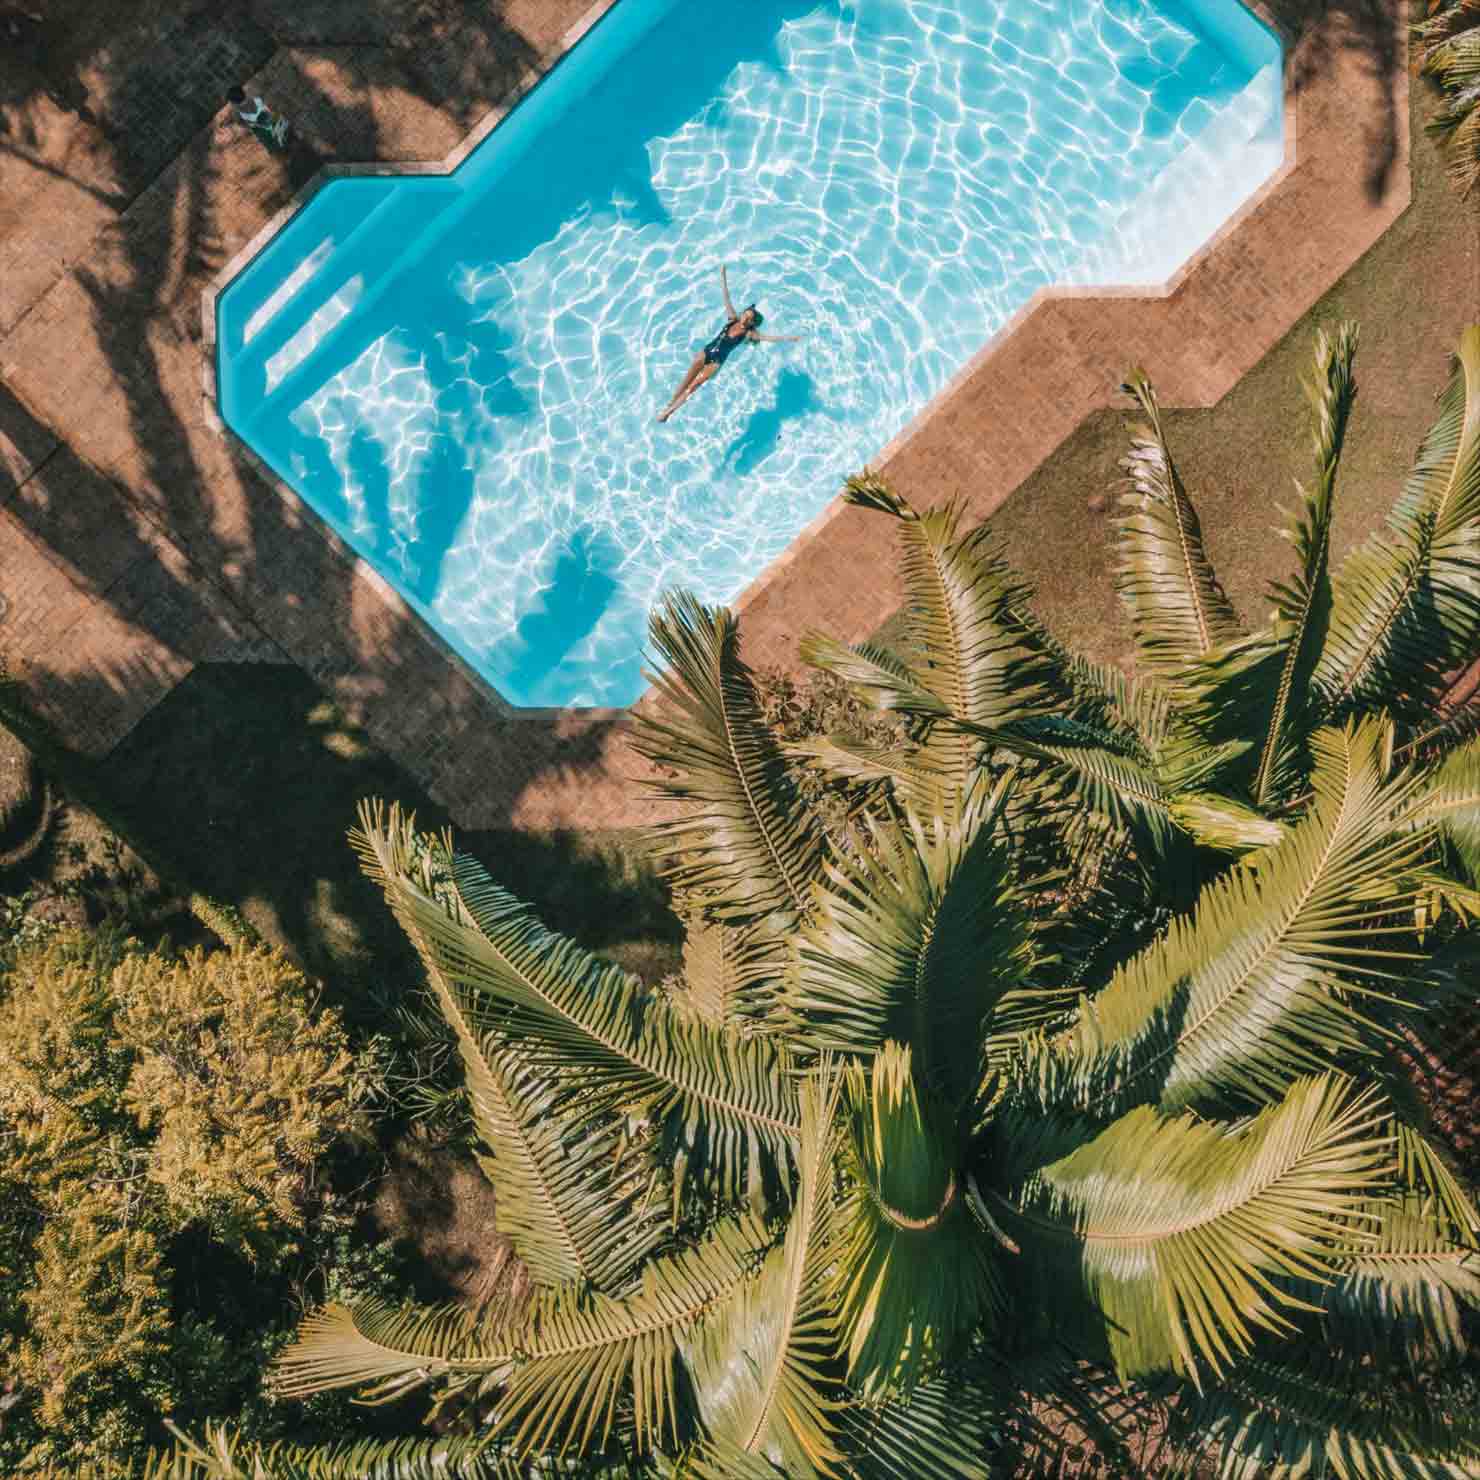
x=136 y=540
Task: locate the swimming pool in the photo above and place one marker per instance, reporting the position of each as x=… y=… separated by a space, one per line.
x=461 y=373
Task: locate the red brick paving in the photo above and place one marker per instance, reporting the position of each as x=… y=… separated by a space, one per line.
x=136 y=539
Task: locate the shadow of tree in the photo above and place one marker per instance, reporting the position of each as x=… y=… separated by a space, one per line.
x=243 y=784
x=142 y=291
x=1325 y=29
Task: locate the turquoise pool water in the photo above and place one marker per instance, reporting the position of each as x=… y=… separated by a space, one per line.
x=461 y=374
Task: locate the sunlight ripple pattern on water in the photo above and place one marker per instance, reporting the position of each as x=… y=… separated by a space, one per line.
x=465 y=384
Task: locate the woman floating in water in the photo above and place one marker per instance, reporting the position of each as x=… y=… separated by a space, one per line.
x=739 y=328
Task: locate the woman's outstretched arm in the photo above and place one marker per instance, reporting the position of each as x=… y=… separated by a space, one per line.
x=777 y=338
x=724 y=283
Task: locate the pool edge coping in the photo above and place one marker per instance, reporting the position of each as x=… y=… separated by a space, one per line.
x=820 y=522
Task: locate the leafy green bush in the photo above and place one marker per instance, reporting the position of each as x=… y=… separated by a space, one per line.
x=159 y=1115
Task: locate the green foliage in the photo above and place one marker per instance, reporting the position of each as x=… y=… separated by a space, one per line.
x=143 y=1100
x=1451 y=55
x=1053 y=1071
x=239 y=1083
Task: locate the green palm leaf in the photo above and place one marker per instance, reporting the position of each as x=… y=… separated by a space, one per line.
x=1304 y=606
x=220 y=1456
x=1422 y=1167
x=948 y=1429
x=1406 y=606
x=1223 y=823
x=916 y=939
x=563 y=1374
x=969 y=651
x=744 y=842
x=1179 y=1231
x=909 y=769
x=573 y=1200
x=1452 y=57
x=1089 y=778
x=1405 y=1289
x=568 y=1198
x=589 y=1365
x=1252 y=988
x=714 y=971
x=884 y=678
x=1091 y=785
x=1178 y=610
x=764 y=1365
x=1450 y=801
x=724 y=1098
x=386 y=1351
x=914 y=1271
x=1291 y=1419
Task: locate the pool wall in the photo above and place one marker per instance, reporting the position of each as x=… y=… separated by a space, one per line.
x=637 y=16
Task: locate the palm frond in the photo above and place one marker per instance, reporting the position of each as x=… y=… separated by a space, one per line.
x=1406 y=605
x=914 y=1271
x=572 y=1198
x=1178 y=609
x=1087 y=780
x=1178 y=1230
x=1422 y=1167
x=1450 y=800
x=915 y=939
x=1405 y=1290
x=968 y=651
x=1452 y=58
x=1254 y=986
x=1304 y=605
x=745 y=841
x=589 y=1365
x=219 y=1455
x=568 y=1198
x=714 y=977
x=725 y=1099
x=1138 y=706
x=948 y=1429
x=723 y=1459
x=1224 y=823
x=386 y=1351
x=1227 y=696
x=564 y=1374
x=764 y=1366
x=909 y=769
x=875 y=673
x=1312 y=1416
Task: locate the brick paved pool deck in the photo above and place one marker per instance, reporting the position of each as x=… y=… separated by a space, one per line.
x=137 y=539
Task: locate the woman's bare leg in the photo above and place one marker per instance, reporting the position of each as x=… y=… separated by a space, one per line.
x=688 y=388
x=690 y=375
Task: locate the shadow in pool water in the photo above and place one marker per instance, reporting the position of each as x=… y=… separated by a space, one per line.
x=415 y=288
x=580 y=589
x=796 y=396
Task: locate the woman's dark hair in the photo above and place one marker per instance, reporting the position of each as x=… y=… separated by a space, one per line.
x=235 y=95
x=750 y=308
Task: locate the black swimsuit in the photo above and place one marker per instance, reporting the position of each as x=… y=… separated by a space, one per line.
x=724 y=344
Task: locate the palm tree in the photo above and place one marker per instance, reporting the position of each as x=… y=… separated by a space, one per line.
x=1062 y=1083
x=1451 y=55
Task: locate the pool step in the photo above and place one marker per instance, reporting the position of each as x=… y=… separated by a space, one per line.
x=283 y=271
x=344 y=279
x=1239 y=147
x=389 y=244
